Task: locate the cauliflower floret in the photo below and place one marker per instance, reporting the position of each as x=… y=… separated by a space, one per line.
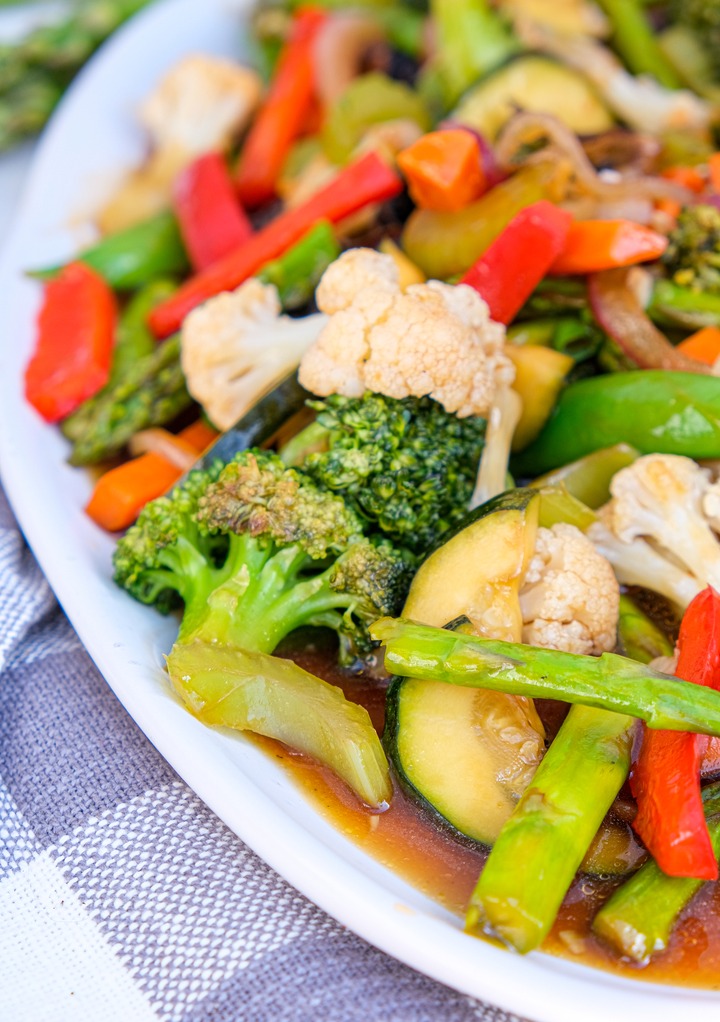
x=660 y=498
x=570 y=597
x=237 y=347
x=201 y=104
x=659 y=529
x=431 y=340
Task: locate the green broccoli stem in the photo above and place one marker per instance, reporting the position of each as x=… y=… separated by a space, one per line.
x=471 y=41
x=608 y=682
x=639 y=918
x=543 y=844
x=553 y=825
x=250 y=691
x=636 y=43
x=258 y=597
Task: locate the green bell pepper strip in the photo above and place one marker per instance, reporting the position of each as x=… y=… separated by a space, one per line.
x=134 y=257
x=609 y=682
x=638 y=919
x=652 y=410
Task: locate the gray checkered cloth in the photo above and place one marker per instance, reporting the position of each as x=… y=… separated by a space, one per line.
x=122 y=897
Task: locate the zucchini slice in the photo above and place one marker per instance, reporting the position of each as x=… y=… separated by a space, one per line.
x=539 y=84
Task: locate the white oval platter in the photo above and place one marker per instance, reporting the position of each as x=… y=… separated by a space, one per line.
x=91 y=139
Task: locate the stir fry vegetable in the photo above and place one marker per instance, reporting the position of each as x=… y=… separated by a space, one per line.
x=410 y=337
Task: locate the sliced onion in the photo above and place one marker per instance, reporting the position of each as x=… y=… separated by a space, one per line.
x=623 y=150
x=529 y=127
x=159 y=441
x=618 y=311
x=339 y=50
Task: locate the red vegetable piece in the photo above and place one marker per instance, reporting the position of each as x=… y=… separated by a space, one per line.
x=283 y=115
x=212 y=221
x=75 y=338
x=515 y=263
x=666 y=778
x=595 y=245
x=367 y=180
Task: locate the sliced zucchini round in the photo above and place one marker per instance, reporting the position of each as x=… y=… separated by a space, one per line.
x=535 y=83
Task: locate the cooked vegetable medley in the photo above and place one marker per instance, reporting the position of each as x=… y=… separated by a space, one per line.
x=409 y=333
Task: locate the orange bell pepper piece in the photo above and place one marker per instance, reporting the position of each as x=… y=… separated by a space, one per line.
x=284 y=114
x=594 y=245
x=703 y=346
x=121 y=494
x=444 y=170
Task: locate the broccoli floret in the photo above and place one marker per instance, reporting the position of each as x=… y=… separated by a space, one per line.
x=692 y=257
x=254 y=550
x=406 y=466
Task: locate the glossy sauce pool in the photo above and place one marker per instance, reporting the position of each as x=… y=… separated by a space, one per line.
x=411 y=844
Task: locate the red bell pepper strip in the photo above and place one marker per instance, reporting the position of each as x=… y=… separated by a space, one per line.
x=283 y=115
x=666 y=778
x=73 y=351
x=595 y=245
x=212 y=221
x=515 y=263
x=367 y=180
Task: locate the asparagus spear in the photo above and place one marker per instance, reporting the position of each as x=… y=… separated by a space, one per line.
x=152 y=393
x=640 y=916
x=558 y=816
x=542 y=845
x=35 y=70
x=609 y=682
x=639 y=637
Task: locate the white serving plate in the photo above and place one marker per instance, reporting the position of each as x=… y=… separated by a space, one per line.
x=92 y=137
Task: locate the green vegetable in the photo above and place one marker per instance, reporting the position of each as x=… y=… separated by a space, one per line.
x=589 y=478
x=533 y=82
x=570 y=335
x=542 y=845
x=471 y=41
x=638 y=636
x=608 y=682
x=638 y=919
x=369 y=99
x=446 y=244
x=253 y=550
x=692 y=257
x=652 y=410
x=151 y=393
x=636 y=41
x=297 y=273
x=35 y=70
x=683 y=307
x=249 y=691
x=702 y=18
x=690 y=59
x=407 y=466
x=134 y=340
x=134 y=257
x=560 y=813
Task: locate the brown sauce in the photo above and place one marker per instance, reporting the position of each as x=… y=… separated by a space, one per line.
x=441 y=866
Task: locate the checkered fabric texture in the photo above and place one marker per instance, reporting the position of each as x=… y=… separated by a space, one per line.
x=122 y=897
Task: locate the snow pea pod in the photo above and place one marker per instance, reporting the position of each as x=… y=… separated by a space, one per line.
x=132 y=258
x=652 y=410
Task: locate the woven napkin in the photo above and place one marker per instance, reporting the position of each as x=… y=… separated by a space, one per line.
x=122 y=897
